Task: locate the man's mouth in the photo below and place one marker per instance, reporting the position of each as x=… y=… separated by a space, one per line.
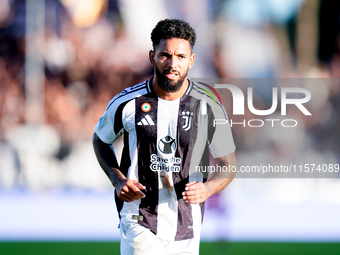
x=171 y=75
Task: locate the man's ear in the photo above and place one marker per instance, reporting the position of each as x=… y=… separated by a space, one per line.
x=192 y=60
x=152 y=57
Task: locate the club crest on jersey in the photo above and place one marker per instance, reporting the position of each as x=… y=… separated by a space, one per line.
x=146 y=107
x=167 y=145
x=188 y=118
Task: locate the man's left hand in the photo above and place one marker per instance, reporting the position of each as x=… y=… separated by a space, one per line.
x=195 y=192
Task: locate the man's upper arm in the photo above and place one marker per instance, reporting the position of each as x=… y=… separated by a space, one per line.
x=106 y=128
x=222 y=142
x=227 y=160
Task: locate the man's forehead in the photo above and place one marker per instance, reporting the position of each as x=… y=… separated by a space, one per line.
x=173 y=43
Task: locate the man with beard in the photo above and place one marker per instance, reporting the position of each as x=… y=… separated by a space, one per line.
x=169 y=130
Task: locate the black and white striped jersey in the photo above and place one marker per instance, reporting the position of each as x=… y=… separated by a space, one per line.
x=165 y=142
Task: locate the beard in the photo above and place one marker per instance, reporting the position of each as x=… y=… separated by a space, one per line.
x=168 y=85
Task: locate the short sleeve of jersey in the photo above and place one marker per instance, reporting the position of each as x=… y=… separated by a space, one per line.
x=105 y=127
x=222 y=142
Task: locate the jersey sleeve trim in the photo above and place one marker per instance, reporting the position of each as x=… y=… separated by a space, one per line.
x=211 y=92
x=213 y=100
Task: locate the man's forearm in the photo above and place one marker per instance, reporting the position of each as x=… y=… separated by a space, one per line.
x=197 y=192
x=127 y=190
x=218 y=180
x=107 y=160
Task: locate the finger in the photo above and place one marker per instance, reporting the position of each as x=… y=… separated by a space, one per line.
x=138 y=185
x=135 y=190
x=196 y=195
x=194 y=186
x=190 y=193
x=192 y=196
x=125 y=189
x=138 y=193
x=130 y=196
x=191 y=183
x=127 y=193
x=125 y=196
x=126 y=199
x=194 y=200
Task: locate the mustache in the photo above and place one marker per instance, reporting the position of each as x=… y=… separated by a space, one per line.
x=170 y=71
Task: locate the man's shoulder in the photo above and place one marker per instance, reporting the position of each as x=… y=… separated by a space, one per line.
x=203 y=91
x=130 y=93
x=142 y=87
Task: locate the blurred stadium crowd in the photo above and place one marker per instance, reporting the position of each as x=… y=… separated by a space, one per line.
x=93 y=49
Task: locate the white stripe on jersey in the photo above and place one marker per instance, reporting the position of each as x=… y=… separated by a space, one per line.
x=150 y=121
x=129 y=120
x=196 y=213
x=167 y=117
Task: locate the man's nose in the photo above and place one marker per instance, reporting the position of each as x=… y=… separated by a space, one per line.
x=172 y=62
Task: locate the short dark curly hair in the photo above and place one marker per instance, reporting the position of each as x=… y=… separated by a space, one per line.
x=173 y=28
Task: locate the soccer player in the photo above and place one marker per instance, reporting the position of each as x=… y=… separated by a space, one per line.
x=169 y=130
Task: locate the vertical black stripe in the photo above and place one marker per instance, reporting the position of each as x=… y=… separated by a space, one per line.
x=211 y=128
x=125 y=163
x=187 y=135
x=118 y=121
x=146 y=146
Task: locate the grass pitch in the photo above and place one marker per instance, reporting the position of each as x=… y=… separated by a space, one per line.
x=206 y=248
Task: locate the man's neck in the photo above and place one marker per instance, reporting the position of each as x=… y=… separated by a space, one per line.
x=169 y=95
